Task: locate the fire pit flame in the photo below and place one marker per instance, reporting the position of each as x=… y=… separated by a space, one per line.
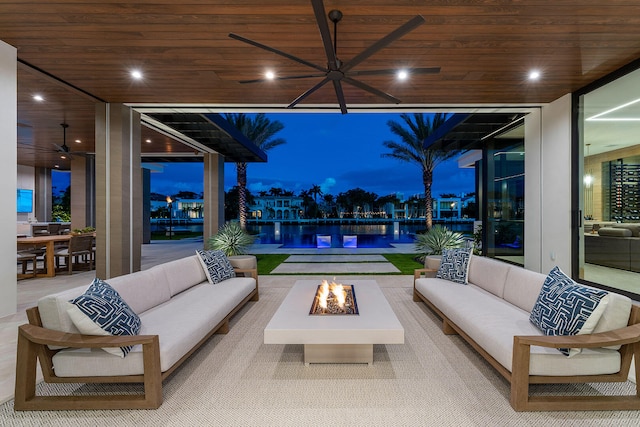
x=334 y=298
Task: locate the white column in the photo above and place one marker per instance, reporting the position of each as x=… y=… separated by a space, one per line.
x=8 y=183
x=548 y=187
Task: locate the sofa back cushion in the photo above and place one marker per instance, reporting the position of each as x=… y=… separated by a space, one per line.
x=488 y=274
x=634 y=228
x=142 y=290
x=523 y=287
x=183 y=273
x=615 y=232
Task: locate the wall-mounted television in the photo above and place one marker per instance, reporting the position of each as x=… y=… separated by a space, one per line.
x=25 y=200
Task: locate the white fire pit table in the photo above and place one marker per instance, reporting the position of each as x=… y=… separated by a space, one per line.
x=335 y=338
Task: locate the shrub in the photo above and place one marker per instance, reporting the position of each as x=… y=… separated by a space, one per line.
x=231 y=239
x=438 y=238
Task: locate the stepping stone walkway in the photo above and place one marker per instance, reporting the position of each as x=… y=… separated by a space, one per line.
x=335 y=264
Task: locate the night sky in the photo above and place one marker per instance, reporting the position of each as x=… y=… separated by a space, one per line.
x=337 y=152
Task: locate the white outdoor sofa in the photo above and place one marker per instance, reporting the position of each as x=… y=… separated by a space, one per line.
x=179 y=310
x=492 y=314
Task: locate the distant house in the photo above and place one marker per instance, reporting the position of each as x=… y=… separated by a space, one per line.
x=181 y=208
x=443 y=207
x=276 y=208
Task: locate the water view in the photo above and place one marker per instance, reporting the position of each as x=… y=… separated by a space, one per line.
x=368 y=235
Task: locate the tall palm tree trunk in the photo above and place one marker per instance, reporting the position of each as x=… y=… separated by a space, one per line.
x=427 y=180
x=242 y=194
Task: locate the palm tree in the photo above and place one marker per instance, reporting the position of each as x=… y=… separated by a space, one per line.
x=260 y=130
x=316 y=191
x=410 y=149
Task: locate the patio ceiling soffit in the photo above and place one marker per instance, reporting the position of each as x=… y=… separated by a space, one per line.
x=468 y=131
x=209 y=133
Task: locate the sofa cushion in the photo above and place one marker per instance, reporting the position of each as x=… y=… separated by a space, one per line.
x=143 y=290
x=216 y=266
x=102 y=311
x=615 y=232
x=489 y=274
x=180 y=323
x=183 y=273
x=523 y=287
x=634 y=228
x=454 y=265
x=492 y=323
x=567 y=308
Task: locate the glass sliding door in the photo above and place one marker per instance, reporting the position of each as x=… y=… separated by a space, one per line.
x=504 y=212
x=609 y=194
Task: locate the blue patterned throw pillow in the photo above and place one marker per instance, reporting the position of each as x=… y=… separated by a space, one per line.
x=216 y=266
x=565 y=307
x=454 y=265
x=102 y=311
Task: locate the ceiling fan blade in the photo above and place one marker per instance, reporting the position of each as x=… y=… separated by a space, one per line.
x=409 y=26
x=308 y=76
x=60 y=148
x=325 y=33
x=370 y=89
x=340 y=94
x=308 y=92
x=390 y=71
x=277 y=52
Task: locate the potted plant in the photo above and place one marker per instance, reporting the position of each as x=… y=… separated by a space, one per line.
x=231 y=239
x=435 y=240
x=82 y=231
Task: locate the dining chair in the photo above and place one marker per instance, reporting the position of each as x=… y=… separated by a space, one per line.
x=79 y=250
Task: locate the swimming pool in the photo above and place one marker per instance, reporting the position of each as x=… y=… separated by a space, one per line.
x=306 y=235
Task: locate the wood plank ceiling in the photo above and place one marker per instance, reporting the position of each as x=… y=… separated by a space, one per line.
x=485 y=49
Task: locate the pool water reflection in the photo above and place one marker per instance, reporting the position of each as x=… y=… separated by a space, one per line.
x=368 y=235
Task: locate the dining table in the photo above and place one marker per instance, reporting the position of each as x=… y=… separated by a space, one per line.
x=49 y=243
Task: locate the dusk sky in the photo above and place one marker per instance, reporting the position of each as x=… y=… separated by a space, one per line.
x=338 y=152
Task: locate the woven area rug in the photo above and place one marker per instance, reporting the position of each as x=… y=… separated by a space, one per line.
x=236 y=380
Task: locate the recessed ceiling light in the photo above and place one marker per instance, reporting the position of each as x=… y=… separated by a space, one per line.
x=136 y=74
x=148 y=141
x=62 y=156
x=402 y=75
x=534 y=75
x=270 y=75
x=56 y=166
x=38 y=98
x=78 y=141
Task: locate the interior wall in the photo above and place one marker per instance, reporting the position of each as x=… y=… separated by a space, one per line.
x=8 y=183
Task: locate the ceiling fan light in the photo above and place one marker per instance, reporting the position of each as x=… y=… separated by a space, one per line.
x=403 y=75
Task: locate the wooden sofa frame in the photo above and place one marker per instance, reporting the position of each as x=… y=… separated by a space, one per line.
x=33 y=344
x=520 y=379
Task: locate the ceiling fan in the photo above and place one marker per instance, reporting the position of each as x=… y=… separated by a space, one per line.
x=64 y=150
x=336 y=71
